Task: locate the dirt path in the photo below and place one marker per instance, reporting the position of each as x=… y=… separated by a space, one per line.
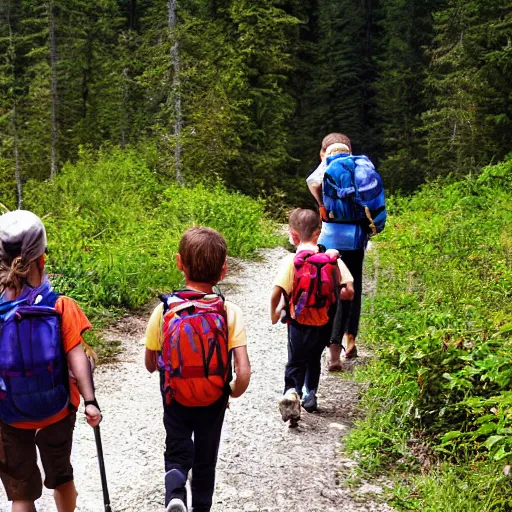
x=263 y=465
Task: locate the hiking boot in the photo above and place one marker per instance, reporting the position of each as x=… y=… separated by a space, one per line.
x=310 y=403
x=334 y=363
x=176 y=505
x=289 y=406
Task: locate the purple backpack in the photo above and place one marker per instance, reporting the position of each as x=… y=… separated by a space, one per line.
x=34 y=382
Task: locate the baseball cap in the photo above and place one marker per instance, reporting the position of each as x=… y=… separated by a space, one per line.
x=22 y=234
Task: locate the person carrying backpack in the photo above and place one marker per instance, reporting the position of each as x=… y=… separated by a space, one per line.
x=43 y=370
x=191 y=338
x=350 y=198
x=307 y=288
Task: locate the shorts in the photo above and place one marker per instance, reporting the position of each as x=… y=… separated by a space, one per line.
x=18 y=458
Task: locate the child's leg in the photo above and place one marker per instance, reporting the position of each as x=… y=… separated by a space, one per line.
x=207 y=430
x=316 y=345
x=54 y=443
x=65 y=497
x=18 y=467
x=179 y=450
x=351 y=310
x=23 y=506
x=295 y=371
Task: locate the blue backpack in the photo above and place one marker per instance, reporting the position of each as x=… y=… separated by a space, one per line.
x=353 y=193
x=34 y=381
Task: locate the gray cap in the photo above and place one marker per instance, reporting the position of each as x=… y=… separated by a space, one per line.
x=21 y=233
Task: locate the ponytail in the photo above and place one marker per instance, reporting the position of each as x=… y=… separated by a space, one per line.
x=15 y=275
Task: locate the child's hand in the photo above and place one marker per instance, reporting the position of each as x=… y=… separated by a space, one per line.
x=347 y=293
x=276 y=315
x=93 y=415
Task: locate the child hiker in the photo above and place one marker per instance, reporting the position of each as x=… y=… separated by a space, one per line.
x=309 y=282
x=191 y=338
x=40 y=338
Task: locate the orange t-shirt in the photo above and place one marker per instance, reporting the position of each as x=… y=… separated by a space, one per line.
x=73 y=324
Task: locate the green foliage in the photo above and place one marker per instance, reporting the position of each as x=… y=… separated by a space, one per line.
x=441 y=326
x=422 y=87
x=470 y=117
x=114 y=227
x=449 y=488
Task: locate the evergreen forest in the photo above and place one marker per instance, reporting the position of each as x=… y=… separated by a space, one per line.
x=123 y=122
x=242 y=92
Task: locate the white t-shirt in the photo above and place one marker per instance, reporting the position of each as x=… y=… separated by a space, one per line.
x=317 y=176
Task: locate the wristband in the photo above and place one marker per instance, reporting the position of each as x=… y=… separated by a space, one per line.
x=92 y=402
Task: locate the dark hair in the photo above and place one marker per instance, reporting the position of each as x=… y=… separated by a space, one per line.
x=305 y=222
x=203 y=253
x=335 y=138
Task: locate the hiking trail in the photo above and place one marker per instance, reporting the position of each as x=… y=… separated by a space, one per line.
x=263 y=466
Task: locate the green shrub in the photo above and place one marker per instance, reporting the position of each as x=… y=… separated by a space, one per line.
x=442 y=324
x=114 y=226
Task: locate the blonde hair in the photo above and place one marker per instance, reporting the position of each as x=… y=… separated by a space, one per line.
x=14 y=274
x=337 y=149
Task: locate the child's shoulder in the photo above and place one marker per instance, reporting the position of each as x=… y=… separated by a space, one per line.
x=231 y=307
x=65 y=304
x=288 y=259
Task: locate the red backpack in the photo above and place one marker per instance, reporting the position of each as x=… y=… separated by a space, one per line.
x=316 y=286
x=195 y=359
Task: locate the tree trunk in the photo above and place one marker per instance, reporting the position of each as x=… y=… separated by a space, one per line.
x=53 y=89
x=124 y=107
x=14 y=118
x=17 y=169
x=176 y=89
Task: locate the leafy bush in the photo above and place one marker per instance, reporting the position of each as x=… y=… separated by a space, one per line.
x=451 y=488
x=442 y=324
x=114 y=226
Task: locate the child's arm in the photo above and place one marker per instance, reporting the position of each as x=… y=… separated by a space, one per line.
x=153 y=339
x=316 y=190
x=242 y=371
x=275 y=300
x=81 y=369
x=347 y=292
x=151 y=360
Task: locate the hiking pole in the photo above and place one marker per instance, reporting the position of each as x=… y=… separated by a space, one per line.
x=101 y=460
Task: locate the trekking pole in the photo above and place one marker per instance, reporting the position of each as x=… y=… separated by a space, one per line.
x=101 y=460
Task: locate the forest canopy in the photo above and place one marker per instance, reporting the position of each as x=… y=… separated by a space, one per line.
x=242 y=92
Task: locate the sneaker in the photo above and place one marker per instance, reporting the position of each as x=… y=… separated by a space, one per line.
x=289 y=406
x=176 y=505
x=309 y=403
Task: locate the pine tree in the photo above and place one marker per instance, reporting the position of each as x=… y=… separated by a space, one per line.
x=470 y=119
x=406 y=29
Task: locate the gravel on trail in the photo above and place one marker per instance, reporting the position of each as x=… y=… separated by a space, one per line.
x=263 y=464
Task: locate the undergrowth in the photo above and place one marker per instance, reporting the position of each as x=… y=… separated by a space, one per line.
x=439 y=394
x=114 y=225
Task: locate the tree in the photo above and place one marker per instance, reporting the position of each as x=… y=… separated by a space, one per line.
x=469 y=80
x=406 y=29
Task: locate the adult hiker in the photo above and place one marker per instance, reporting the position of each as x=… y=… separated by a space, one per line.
x=348 y=191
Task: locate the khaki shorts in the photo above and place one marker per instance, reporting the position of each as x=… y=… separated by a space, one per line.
x=18 y=458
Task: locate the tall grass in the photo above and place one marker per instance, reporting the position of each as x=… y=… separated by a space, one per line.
x=440 y=389
x=114 y=226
